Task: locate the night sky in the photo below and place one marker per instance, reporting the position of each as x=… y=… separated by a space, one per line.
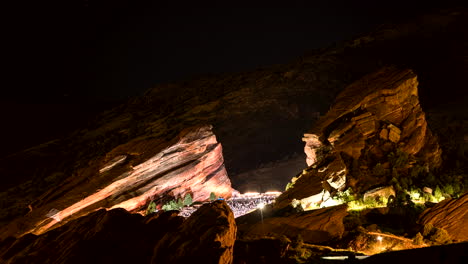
x=64 y=59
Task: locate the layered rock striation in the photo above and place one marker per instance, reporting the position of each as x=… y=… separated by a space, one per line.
x=450 y=215
x=130 y=176
x=375 y=128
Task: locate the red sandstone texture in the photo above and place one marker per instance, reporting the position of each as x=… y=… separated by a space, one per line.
x=451 y=215
x=370 y=119
x=130 y=176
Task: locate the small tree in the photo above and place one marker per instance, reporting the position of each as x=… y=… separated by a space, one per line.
x=180 y=202
x=188 y=199
x=151 y=208
x=212 y=196
x=438 y=193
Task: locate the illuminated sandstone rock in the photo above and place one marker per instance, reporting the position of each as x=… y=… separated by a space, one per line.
x=190 y=163
x=387 y=99
x=451 y=215
x=372 y=118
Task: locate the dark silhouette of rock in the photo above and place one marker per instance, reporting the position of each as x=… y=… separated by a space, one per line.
x=208 y=236
x=447 y=254
x=450 y=215
x=117 y=236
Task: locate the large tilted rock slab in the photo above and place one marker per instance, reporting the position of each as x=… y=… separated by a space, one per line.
x=371 y=119
x=451 y=215
x=117 y=236
x=130 y=176
x=316 y=226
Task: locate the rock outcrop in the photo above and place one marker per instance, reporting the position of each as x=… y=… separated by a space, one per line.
x=316 y=226
x=450 y=215
x=208 y=236
x=116 y=236
x=355 y=144
x=130 y=176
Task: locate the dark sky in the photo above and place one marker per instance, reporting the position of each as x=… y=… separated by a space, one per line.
x=117 y=48
x=63 y=59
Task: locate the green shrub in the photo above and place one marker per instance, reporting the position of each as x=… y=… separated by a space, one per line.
x=172 y=205
x=212 y=196
x=448 y=189
x=151 y=208
x=438 y=195
x=188 y=200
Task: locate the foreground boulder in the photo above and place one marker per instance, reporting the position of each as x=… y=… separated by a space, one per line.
x=117 y=236
x=208 y=236
x=376 y=125
x=130 y=176
x=450 y=215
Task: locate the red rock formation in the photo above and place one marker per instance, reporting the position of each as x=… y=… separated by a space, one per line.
x=450 y=215
x=372 y=118
x=384 y=105
x=117 y=236
x=208 y=236
x=317 y=226
x=130 y=176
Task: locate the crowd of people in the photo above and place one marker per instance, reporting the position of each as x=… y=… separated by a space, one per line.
x=244 y=205
x=241 y=204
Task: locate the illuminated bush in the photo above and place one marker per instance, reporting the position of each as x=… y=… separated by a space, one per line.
x=418 y=239
x=172 y=205
x=438 y=194
x=151 y=208
x=212 y=196
x=188 y=200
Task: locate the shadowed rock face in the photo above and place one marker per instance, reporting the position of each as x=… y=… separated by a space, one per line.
x=117 y=236
x=208 y=236
x=130 y=176
x=450 y=215
x=317 y=226
x=371 y=119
